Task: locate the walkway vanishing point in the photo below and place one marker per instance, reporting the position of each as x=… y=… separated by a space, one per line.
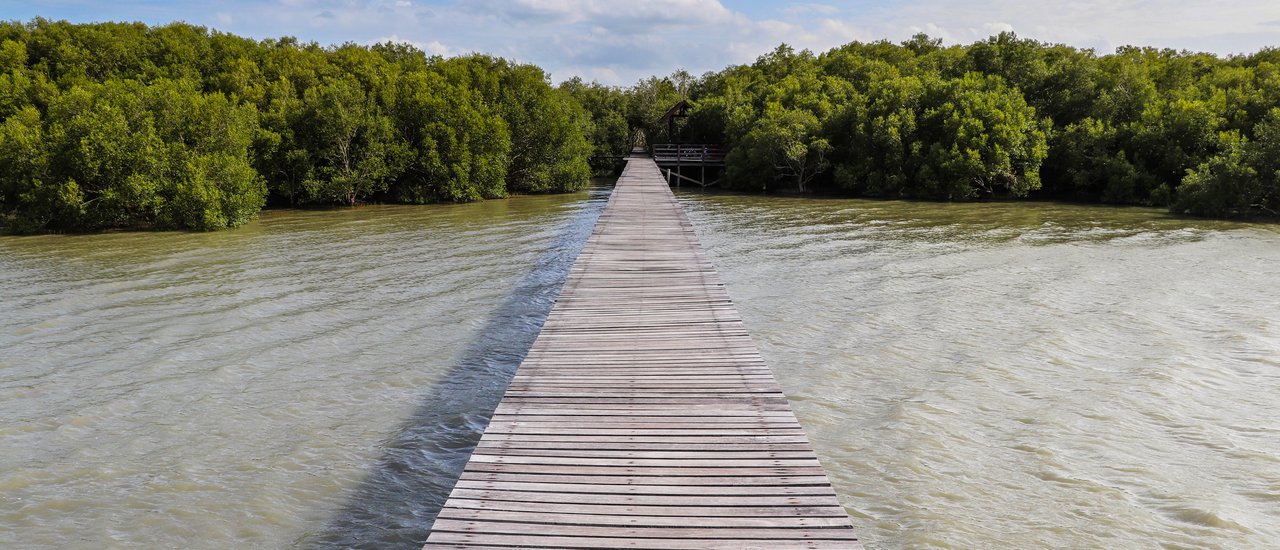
x=643 y=415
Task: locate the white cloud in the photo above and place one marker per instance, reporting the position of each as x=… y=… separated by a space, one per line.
x=804 y=8
x=652 y=16
x=599 y=74
x=722 y=36
x=435 y=47
x=996 y=27
x=621 y=41
x=432 y=47
x=1102 y=24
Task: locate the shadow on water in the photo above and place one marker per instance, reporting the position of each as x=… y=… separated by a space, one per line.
x=398 y=501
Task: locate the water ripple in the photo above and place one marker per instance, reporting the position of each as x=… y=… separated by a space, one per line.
x=311 y=379
x=1019 y=375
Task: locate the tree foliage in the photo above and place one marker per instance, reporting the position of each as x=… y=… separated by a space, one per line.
x=1241 y=180
x=1003 y=117
x=125 y=154
x=116 y=125
x=121 y=125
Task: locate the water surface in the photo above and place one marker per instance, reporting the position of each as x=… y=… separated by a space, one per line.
x=1020 y=375
x=312 y=380
x=972 y=375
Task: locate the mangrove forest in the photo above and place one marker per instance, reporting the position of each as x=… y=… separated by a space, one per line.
x=1004 y=118
x=124 y=125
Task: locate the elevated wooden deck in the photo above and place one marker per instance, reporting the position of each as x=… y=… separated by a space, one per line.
x=691 y=162
x=643 y=416
x=668 y=155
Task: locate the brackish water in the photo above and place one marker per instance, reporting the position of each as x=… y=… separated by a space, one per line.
x=1020 y=375
x=313 y=380
x=972 y=376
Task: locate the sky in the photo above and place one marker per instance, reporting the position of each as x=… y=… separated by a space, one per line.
x=619 y=42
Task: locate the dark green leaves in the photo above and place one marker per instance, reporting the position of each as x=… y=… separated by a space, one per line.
x=124 y=126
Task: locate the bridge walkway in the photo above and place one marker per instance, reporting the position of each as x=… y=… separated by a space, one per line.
x=643 y=416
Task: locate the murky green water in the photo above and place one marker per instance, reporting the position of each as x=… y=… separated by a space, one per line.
x=1020 y=376
x=973 y=376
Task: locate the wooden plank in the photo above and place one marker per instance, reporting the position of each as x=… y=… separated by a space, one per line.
x=647 y=470
x=700 y=439
x=684 y=512
x=466 y=514
x=506 y=542
x=589 y=486
x=658 y=462
x=634 y=453
x=611 y=447
x=643 y=416
x=684 y=532
x=632 y=480
x=645 y=500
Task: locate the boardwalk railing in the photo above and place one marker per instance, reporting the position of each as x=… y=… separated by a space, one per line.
x=643 y=416
x=689 y=154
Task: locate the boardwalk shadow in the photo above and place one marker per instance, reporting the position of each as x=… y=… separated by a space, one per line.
x=398 y=502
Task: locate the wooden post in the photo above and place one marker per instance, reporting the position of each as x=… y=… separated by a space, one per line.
x=679 y=154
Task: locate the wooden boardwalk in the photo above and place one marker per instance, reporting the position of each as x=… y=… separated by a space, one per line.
x=643 y=416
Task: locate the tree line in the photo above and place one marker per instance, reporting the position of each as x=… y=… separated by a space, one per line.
x=1004 y=117
x=124 y=125
x=118 y=125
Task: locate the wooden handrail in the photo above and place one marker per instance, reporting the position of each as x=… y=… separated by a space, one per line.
x=688 y=152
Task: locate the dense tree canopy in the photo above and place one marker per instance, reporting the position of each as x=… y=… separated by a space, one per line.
x=124 y=125
x=1004 y=117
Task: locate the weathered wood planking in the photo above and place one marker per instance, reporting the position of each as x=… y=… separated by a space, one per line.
x=643 y=416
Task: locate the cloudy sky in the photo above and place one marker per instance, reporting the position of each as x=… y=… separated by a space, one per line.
x=618 y=42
